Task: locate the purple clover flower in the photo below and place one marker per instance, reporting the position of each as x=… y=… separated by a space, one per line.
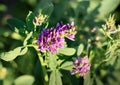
x=82 y=66
x=68 y=30
x=52 y=39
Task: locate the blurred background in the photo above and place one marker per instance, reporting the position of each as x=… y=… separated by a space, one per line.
x=87 y=14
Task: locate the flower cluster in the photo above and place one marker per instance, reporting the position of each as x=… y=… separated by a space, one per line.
x=68 y=30
x=82 y=66
x=109 y=27
x=52 y=39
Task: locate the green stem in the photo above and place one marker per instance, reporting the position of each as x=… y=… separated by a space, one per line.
x=35 y=28
x=43 y=69
x=30 y=45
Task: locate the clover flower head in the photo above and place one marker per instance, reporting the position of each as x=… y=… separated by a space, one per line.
x=109 y=27
x=68 y=30
x=50 y=40
x=82 y=66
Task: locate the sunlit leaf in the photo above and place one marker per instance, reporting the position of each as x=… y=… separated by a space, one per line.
x=105 y=6
x=68 y=65
x=67 y=51
x=98 y=81
x=24 y=51
x=80 y=49
x=24 y=80
x=58 y=78
x=87 y=79
x=52 y=62
x=11 y=55
x=52 y=78
x=55 y=78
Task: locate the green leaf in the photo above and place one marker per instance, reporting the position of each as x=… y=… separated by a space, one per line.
x=24 y=80
x=67 y=51
x=29 y=21
x=58 y=78
x=14 y=22
x=98 y=81
x=52 y=62
x=17 y=25
x=24 y=51
x=80 y=49
x=55 y=78
x=87 y=79
x=52 y=78
x=45 y=7
x=8 y=56
x=112 y=61
x=11 y=55
x=67 y=65
x=106 y=8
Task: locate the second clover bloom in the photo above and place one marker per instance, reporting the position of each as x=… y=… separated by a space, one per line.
x=68 y=30
x=82 y=66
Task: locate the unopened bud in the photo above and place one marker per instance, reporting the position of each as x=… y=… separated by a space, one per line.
x=39 y=19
